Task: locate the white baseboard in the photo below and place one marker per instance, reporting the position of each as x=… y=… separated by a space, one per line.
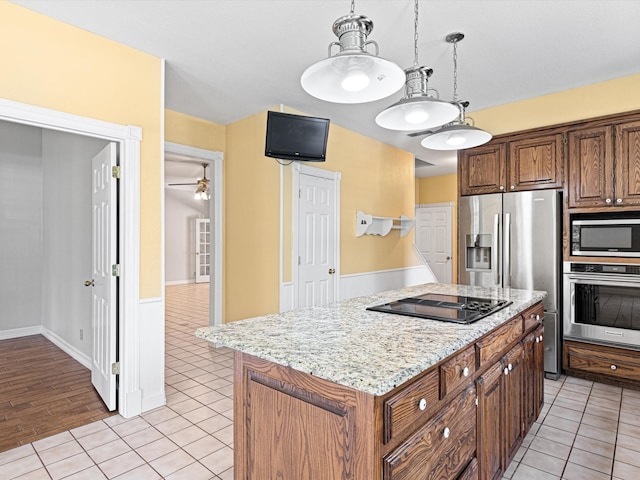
x=62 y=344
x=368 y=283
x=20 y=332
x=180 y=282
x=151 y=393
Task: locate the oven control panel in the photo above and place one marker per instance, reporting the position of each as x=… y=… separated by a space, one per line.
x=605 y=268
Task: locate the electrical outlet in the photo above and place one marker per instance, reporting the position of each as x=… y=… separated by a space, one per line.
x=81 y=334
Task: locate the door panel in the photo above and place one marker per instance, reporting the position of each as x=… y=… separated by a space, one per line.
x=203 y=250
x=317 y=243
x=433 y=239
x=104 y=256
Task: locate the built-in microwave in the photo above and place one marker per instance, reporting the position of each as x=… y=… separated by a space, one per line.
x=605 y=235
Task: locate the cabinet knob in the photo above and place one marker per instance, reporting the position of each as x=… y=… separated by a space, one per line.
x=506 y=371
x=613 y=367
x=422 y=404
x=446 y=432
x=608 y=200
x=618 y=200
x=541 y=338
x=510 y=367
x=501 y=187
x=465 y=372
x=538 y=317
x=537 y=339
x=513 y=187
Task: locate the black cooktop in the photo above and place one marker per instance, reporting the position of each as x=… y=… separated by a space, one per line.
x=446 y=308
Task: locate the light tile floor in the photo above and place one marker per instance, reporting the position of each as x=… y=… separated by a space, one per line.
x=587 y=431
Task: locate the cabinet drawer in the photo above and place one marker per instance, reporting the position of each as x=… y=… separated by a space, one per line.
x=457 y=370
x=404 y=408
x=491 y=347
x=533 y=316
x=471 y=472
x=440 y=449
x=614 y=362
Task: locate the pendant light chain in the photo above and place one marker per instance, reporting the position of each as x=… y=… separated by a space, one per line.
x=415 y=36
x=455 y=71
x=353 y=6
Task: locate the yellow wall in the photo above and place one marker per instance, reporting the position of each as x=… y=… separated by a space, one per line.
x=604 y=98
x=193 y=131
x=54 y=65
x=442 y=189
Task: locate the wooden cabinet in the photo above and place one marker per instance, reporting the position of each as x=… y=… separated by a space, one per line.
x=535 y=163
x=461 y=419
x=524 y=163
x=534 y=376
x=601 y=363
x=604 y=166
x=482 y=169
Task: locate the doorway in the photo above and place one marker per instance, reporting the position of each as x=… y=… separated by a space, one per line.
x=316 y=230
x=433 y=238
x=186 y=155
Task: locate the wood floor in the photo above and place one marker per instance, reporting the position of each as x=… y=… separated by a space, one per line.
x=43 y=391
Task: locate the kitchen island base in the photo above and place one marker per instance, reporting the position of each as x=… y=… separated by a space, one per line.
x=463 y=418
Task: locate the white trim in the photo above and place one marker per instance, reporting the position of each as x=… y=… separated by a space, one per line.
x=20 y=332
x=441 y=204
x=128 y=139
x=186 y=153
x=369 y=283
x=336 y=177
x=67 y=348
x=286 y=296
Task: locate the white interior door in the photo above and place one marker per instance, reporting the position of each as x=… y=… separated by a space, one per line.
x=104 y=257
x=316 y=241
x=203 y=250
x=433 y=238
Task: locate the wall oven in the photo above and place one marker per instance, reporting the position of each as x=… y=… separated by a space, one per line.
x=603 y=303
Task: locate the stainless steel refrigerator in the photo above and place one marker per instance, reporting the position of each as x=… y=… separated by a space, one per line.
x=513 y=240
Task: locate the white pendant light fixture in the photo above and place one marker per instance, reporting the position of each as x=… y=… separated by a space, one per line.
x=352 y=75
x=459 y=134
x=417 y=110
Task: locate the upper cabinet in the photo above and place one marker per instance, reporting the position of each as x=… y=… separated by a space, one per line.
x=528 y=162
x=604 y=166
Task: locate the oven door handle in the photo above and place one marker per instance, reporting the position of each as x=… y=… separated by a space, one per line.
x=496 y=249
x=507 y=249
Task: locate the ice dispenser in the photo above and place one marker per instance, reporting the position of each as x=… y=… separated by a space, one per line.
x=478 y=252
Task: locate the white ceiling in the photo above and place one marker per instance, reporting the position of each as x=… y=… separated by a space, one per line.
x=228 y=59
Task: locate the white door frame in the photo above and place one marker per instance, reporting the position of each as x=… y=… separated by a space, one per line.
x=128 y=138
x=186 y=153
x=336 y=177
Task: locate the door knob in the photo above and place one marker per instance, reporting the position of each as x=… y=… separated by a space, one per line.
x=90 y=283
x=448 y=258
x=332 y=271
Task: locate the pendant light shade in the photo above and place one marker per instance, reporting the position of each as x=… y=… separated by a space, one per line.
x=352 y=75
x=459 y=134
x=456 y=136
x=417 y=110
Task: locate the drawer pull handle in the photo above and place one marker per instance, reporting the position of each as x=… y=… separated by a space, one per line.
x=506 y=371
x=422 y=404
x=613 y=367
x=465 y=372
x=446 y=432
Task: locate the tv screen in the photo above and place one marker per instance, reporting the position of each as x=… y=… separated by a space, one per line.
x=296 y=137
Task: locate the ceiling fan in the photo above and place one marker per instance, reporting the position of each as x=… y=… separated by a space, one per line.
x=201 y=184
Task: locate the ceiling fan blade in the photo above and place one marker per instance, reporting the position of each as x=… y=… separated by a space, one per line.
x=179 y=184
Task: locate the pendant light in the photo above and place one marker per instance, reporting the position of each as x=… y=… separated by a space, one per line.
x=417 y=109
x=353 y=75
x=459 y=134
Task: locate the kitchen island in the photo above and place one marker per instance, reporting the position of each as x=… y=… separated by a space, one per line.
x=342 y=392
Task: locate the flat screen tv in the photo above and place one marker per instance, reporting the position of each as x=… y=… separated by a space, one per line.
x=296 y=137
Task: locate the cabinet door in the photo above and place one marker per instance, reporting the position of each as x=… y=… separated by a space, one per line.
x=590 y=181
x=535 y=163
x=539 y=370
x=483 y=169
x=530 y=384
x=627 y=164
x=490 y=423
x=513 y=370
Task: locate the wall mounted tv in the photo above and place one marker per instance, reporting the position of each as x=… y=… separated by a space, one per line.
x=296 y=137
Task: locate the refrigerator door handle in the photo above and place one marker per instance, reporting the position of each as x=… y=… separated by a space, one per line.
x=507 y=250
x=496 y=249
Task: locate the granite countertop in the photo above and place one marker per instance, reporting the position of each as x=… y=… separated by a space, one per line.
x=369 y=351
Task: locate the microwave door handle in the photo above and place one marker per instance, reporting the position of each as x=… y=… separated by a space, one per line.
x=507 y=250
x=496 y=249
